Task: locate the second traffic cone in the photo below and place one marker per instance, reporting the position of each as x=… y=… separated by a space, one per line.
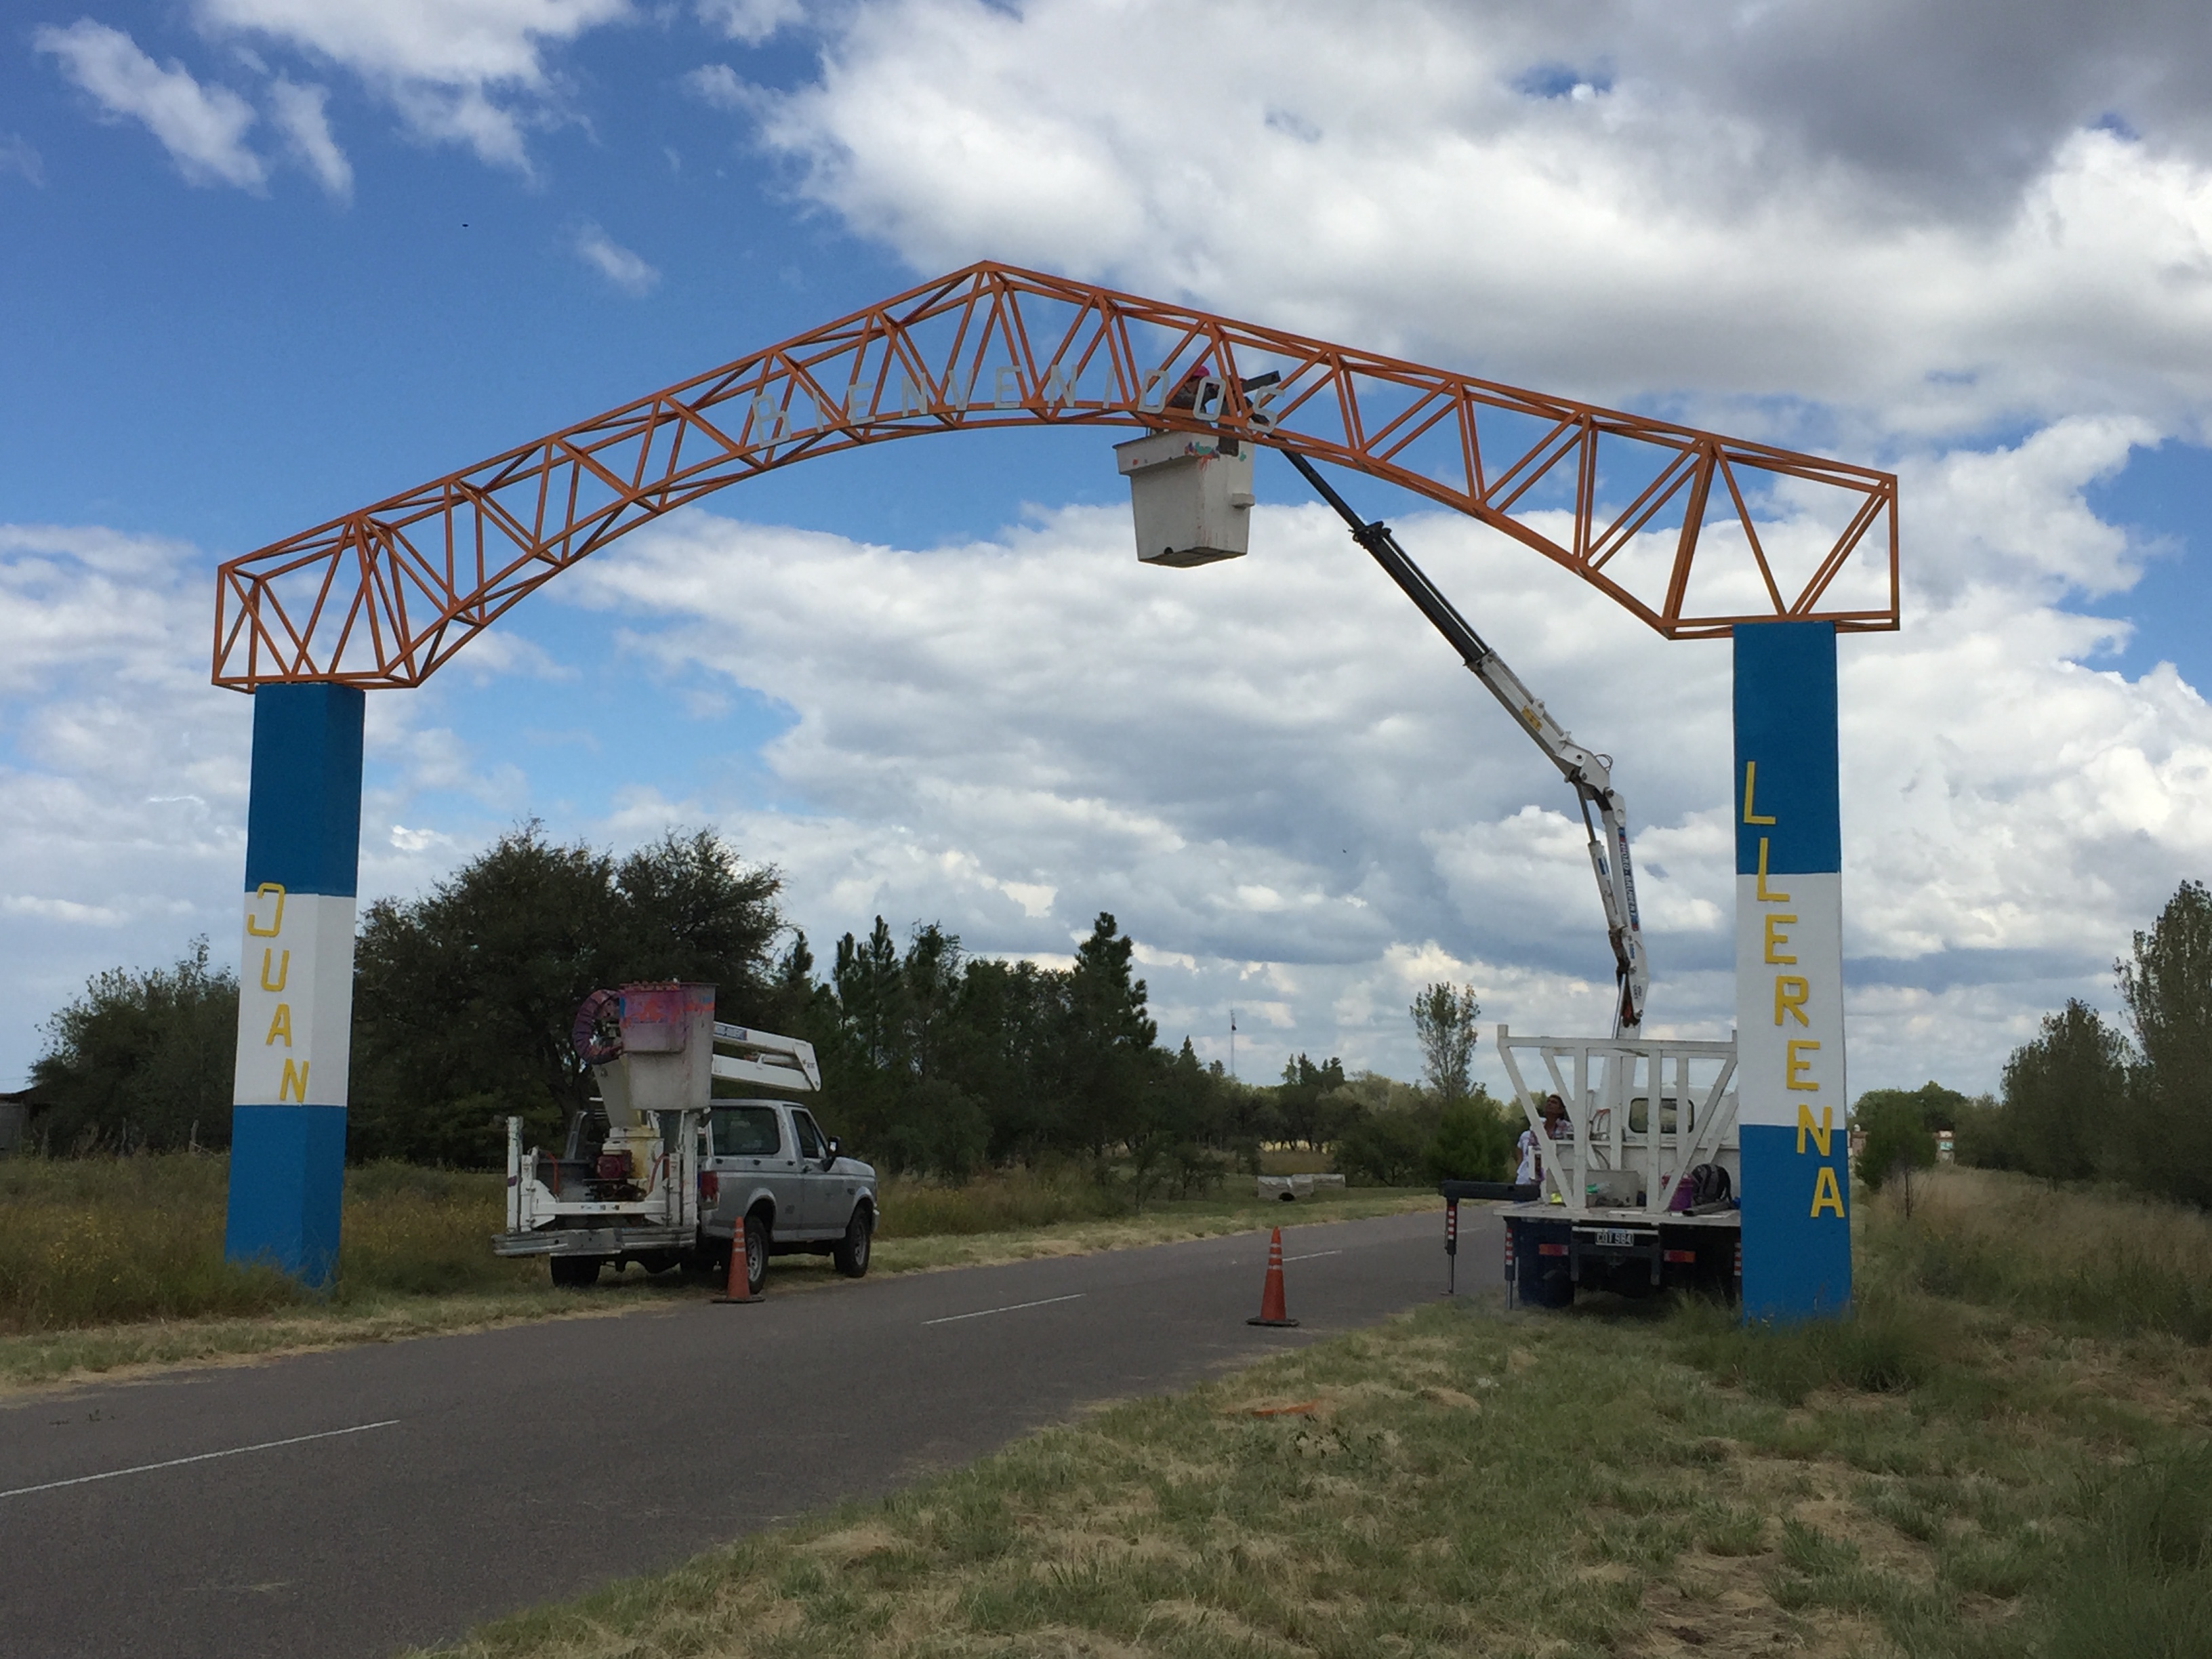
x=1271 y=1310
x=740 y=1287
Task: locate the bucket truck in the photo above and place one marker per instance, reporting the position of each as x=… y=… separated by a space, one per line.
x=666 y=1170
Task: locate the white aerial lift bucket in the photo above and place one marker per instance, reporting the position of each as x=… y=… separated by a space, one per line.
x=1192 y=495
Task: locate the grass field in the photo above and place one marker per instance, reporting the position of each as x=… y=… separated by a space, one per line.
x=118 y=1262
x=1989 y=1460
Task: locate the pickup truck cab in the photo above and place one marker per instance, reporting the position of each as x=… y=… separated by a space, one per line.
x=769 y=1163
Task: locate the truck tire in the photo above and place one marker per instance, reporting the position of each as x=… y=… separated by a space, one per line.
x=853 y=1249
x=575 y=1272
x=756 y=1241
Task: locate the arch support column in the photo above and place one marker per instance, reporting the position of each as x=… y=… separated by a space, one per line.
x=295 y=979
x=1791 y=1105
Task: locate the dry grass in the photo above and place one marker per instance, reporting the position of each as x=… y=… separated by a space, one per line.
x=87 y=1242
x=1934 y=1477
x=2104 y=1259
x=117 y=1263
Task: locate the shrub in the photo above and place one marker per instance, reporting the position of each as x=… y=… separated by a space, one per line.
x=141 y=1060
x=1385 y=1149
x=1897 y=1138
x=1475 y=1142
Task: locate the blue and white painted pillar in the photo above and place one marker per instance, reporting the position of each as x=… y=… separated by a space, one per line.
x=295 y=979
x=1790 y=1103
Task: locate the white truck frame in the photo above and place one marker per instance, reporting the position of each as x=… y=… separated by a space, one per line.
x=1606 y=1213
x=639 y=1198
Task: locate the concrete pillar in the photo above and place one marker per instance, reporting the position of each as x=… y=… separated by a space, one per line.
x=295 y=979
x=1791 y=1104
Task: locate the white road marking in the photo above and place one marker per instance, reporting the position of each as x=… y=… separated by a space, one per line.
x=202 y=1457
x=981 y=1313
x=1311 y=1255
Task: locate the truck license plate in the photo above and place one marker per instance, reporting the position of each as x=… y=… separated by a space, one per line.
x=1615 y=1238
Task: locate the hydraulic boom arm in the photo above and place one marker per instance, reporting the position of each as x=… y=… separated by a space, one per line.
x=1590 y=774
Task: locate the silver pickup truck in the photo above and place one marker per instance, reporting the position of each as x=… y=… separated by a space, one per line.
x=767 y=1162
x=662 y=1172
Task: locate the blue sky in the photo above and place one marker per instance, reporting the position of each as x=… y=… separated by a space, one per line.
x=261 y=263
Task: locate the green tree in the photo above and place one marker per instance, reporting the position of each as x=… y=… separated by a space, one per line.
x=1105 y=1060
x=1898 y=1138
x=1444 y=1024
x=1935 y=1106
x=934 y=1062
x=2167 y=985
x=464 y=998
x=1475 y=1141
x=2063 y=1094
x=141 y=1060
x=1387 y=1149
x=1311 y=1115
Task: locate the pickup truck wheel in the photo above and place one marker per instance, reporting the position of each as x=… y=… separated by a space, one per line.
x=853 y=1250
x=756 y=1251
x=575 y=1272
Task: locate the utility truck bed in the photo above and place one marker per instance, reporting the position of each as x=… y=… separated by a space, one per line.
x=1629 y=1200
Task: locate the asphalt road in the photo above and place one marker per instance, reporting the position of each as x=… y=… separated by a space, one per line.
x=350 y=1503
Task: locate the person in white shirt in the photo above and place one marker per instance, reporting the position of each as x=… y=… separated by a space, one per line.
x=1531 y=1160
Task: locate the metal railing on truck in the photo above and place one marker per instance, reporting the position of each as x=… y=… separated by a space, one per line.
x=1597 y=1080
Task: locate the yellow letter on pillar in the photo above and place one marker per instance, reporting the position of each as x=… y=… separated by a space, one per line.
x=294 y=1086
x=1820 y=1132
x=280 y=1025
x=276 y=922
x=1789 y=994
x=1796 y=1070
x=1826 y=1196
x=1750 y=777
x=1765 y=893
x=1776 y=939
x=283 y=969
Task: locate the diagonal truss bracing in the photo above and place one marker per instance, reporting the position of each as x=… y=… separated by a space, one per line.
x=1691 y=531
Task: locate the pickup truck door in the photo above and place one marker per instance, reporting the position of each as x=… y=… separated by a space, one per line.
x=819 y=1205
x=753 y=1149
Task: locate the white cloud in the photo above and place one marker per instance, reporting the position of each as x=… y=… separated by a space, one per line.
x=64 y=910
x=302 y=117
x=752 y=21
x=624 y=269
x=471 y=72
x=203 y=128
x=1271 y=767
x=122 y=772
x=17 y=157
x=718 y=84
x=1394 y=174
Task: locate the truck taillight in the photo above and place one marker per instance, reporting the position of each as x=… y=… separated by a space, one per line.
x=710 y=1187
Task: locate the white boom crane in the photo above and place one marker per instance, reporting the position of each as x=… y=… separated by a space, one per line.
x=1591 y=774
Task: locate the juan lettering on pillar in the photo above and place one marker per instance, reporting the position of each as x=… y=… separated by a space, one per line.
x=295 y=979
x=1790 y=1097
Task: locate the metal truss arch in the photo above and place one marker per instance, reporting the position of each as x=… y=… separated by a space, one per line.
x=1689 y=531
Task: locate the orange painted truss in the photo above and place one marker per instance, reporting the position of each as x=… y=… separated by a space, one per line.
x=1691 y=531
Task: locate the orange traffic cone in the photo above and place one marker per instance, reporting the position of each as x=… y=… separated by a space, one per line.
x=1271 y=1311
x=740 y=1287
